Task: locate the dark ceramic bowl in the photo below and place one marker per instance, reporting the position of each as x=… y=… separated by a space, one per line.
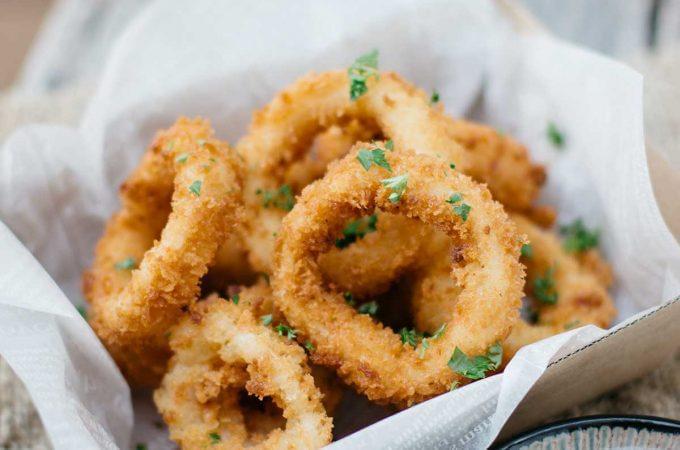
x=600 y=432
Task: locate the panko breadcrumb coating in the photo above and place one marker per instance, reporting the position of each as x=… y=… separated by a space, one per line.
x=177 y=206
x=363 y=352
x=220 y=350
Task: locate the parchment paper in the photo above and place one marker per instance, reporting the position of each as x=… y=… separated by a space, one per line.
x=223 y=60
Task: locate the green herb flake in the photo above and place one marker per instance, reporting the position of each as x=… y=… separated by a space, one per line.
x=452 y=166
x=462 y=210
x=389 y=145
x=544 y=287
x=373 y=156
x=182 y=158
x=281 y=198
x=453 y=386
x=410 y=336
x=126 y=264
x=475 y=368
x=82 y=311
x=289 y=332
x=555 y=136
x=349 y=298
x=363 y=68
x=434 y=98
x=527 y=251
x=195 y=187
x=370 y=308
x=309 y=346
x=235 y=298
x=168 y=147
x=215 y=438
x=577 y=238
x=357 y=229
x=396 y=184
x=141 y=446
x=266 y=319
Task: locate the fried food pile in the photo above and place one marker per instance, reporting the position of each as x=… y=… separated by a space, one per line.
x=356 y=237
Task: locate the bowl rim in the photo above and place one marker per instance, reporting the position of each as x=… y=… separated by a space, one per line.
x=653 y=423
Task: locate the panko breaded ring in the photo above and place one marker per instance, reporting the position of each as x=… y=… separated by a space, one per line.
x=258 y=299
x=364 y=353
x=187 y=193
x=220 y=350
x=582 y=298
x=369 y=266
x=284 y=130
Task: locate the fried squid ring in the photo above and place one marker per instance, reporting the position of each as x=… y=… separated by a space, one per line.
x=363 y=352
x=580 y=297
x=186 y=191
x=284 y=130
x=258 y=299
x=219 y=351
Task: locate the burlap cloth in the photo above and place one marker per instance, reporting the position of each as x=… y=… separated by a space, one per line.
x=20 y=428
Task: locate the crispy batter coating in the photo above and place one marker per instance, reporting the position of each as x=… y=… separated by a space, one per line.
x=370 y=265
x=220 y=350
x=365 y=354
x=177 y=206
x=282 y=133
x=259 y=299
x=582 y=296
x=500 y=161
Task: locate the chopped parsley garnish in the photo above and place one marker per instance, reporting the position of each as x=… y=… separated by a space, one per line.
x=452 y=166
x=389 y=145
x=425 y=343
x=527 y=251
x=195 y=187
x=373 y=156
x=454 y=385
x=126 y=264
x=82 y=311
x=356 y=229
x=555 y=136
x=266 y=319
x=349 y=298
x=370 y=308
x=215 y=438
x=475 y=368
x=364 y=67
x=285 y=329
x=578 y=238
x=182 y=158
x=235 y=299
x=410 y=336
x=140 y=446
x=434 y=98
x=544 y=287
x=396 y=184
x=281 y=198
x=309 y=346
x=462 y=210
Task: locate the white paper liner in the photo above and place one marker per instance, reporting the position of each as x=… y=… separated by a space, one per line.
x=223 y=60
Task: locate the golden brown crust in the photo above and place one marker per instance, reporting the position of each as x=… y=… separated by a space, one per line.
x=371 y=357
x=222 y=352
x=171 y=233
x=282 y=133
x=582 y=296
